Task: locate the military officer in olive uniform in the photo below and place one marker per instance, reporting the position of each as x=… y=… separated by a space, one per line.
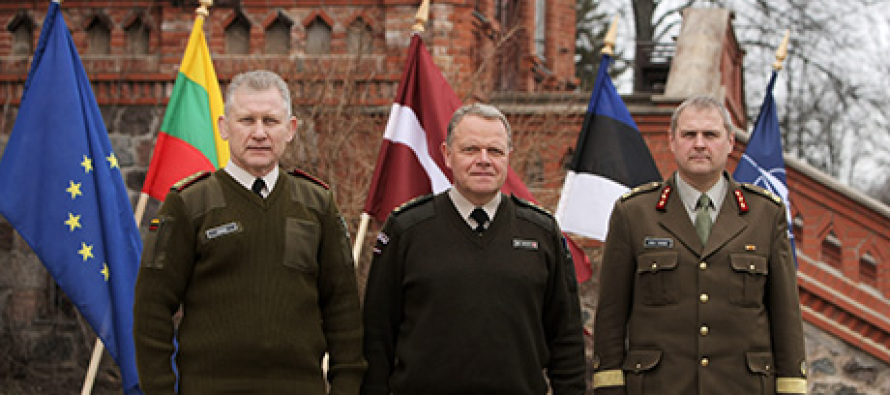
x=259 y=262
x=698 y=289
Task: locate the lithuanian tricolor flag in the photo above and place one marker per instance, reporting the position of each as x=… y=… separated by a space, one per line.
x=189 y=138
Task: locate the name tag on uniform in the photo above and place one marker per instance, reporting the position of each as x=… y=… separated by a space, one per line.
x=222 y=230
x=658 y=242
x=525 y=244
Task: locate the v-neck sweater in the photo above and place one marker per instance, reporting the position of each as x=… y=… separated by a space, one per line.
x=451 y=311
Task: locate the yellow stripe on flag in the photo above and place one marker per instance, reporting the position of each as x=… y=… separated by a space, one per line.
x=198 y=67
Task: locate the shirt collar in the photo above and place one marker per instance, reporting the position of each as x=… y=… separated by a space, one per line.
x=465 y=207
x=689 y=195
x=246 y=179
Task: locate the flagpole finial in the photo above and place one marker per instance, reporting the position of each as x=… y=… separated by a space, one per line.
x=204 y=9
x=423 y=15
x=609 y=41
x=782 y=52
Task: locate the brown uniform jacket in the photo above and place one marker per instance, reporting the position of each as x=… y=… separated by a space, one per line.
x=677 y=317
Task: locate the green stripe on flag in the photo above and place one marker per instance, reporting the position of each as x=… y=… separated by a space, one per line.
x=188 y=117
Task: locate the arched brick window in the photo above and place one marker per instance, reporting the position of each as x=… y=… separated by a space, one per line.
x=238 y=36
x=98 y=37
x=831 y=250
x=138 y=37
x=22 y=30
x=359 y=37
x=868 y=270
x=278 y=36
x=318 y=37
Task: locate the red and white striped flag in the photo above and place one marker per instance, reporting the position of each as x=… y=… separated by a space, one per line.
x=410 y=163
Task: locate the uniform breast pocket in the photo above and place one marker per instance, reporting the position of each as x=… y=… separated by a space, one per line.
x=749 y=279
x=301 y=244
x=657 y=278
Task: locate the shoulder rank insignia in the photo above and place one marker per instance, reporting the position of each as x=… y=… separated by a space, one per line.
x=651 y=186
x=184 y=183
x=526 y=203
x=412 y=203
x=763 y=192
x=302 y=174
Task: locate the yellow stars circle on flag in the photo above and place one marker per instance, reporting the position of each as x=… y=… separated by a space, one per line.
x=87 y=164
x=86 y=251
x=74 y=189
x=105 y=272
x=73 y=222
x=112 y=161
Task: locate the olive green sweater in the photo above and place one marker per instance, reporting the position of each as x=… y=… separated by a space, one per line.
x=266 y=286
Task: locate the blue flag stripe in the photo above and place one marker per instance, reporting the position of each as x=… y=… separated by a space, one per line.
x=61 y=189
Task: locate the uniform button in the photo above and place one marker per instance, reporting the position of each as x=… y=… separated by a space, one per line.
x=654 y=266
x=703 y=298
x=751 y=267
x=705 y=362
x=704 y=330
x=703 y=265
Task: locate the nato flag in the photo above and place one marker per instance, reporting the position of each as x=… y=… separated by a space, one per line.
x=610 y=158
x=61 y=188
x=762 y=164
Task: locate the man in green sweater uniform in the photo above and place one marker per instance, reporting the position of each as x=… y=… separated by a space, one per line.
x=258 y=260
x=471 y=291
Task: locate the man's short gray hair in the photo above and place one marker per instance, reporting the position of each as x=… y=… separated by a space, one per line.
x=259 y=80
x=703 y=102
x=484 y=111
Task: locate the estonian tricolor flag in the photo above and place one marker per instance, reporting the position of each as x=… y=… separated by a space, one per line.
x=610 y=158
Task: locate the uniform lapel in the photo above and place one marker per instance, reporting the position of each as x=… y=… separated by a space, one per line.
x=676 y=220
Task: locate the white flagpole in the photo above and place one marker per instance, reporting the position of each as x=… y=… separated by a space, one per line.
x=360 y=237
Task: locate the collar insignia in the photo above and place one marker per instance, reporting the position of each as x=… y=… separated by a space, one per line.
x=740 y=199
x=662 y=201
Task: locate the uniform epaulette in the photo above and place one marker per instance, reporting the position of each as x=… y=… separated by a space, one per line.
x=303 y=174
x=412 y=203
x=525 y=203
x=763 y=192
x=648 y=187
x=184 y=183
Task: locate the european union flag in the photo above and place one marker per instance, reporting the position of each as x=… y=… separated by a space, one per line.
x=762 y=164
x=61 y=188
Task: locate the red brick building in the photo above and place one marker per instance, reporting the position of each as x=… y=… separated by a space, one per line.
x=343 y=59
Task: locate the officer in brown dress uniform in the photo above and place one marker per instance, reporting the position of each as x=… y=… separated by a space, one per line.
x=698 y=289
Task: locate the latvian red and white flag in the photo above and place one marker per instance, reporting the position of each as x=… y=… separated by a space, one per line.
x=410 y=163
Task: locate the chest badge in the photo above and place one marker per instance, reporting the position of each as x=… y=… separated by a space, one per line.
x=520 y=244
x=222 y=230
x=658 y=242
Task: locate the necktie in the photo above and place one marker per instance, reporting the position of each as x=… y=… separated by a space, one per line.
x=481 y=217
x=703 y=218
x=258 y=186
